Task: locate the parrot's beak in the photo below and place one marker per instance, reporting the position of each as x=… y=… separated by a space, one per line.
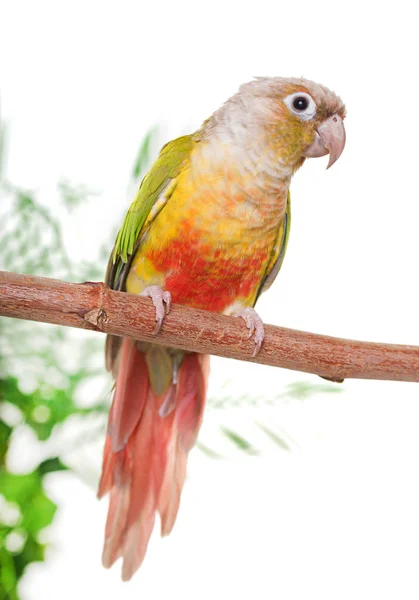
x=329 y=139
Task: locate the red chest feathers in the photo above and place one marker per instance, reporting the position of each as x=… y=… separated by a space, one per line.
x=212 y=278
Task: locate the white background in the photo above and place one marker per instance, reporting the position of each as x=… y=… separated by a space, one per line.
x=81 y=83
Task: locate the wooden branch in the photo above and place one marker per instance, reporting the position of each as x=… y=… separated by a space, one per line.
x=94 y=306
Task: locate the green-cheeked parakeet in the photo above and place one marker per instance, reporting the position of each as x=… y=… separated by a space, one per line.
x=209 y=229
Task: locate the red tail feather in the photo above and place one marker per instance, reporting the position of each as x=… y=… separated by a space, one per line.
x=145 y=456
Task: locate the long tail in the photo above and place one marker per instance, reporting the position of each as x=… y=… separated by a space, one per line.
x=150 y=432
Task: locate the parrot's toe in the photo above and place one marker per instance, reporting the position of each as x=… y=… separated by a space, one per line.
x=255 y=326
x=161 y=301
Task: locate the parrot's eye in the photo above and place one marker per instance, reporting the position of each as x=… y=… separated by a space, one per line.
x=301 y=105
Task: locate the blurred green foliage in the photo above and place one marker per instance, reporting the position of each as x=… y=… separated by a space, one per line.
x=39 y=381
x=31 y=241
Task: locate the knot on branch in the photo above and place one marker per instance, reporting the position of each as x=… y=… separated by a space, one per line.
x=97 y=317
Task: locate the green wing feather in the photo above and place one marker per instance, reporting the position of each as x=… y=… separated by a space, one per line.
x=278 y=253
x=165 y=169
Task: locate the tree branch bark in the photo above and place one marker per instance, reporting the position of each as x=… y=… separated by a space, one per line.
x=96 y=307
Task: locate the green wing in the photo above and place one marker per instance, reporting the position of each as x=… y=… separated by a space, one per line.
x=278 y=253
x=165 y=169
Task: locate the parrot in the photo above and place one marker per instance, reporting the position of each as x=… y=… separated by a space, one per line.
x=208 y=229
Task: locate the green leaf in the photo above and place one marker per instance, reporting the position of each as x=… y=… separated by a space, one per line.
x=73 y=196
x=8 y=578
x=239 y=441
x=274 y=437
x=142 y=160
x=303 y=390
x=51 y=465
x=208 y=451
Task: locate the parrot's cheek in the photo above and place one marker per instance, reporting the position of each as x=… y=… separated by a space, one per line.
x=329 y=138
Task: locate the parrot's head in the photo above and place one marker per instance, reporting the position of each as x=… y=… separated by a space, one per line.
x=312 y=116
x=299 y=118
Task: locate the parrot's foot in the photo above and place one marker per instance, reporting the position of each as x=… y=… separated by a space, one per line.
x=255 y=325
x=161 y=301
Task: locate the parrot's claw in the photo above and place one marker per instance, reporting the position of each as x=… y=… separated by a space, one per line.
x=161 y=301
x=255 y=326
